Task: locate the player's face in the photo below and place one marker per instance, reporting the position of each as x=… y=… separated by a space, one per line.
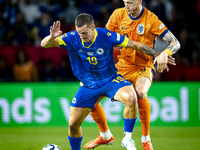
x=132 y=5
x=86 y=33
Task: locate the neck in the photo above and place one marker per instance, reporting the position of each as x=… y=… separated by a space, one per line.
x=137 y=12
x=92 y=38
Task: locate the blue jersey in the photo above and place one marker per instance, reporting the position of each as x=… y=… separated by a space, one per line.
x=92 y=63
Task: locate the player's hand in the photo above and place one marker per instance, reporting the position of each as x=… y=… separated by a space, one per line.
x=162 y=61
x=171 y=61
x=55 y=30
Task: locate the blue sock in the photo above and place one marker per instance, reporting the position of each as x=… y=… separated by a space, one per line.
x=129 y=124
x=75 y=142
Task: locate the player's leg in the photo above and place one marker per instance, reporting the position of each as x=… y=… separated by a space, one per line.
x=99 y=117
x=106 y=136
x=82 y=103
x=142 y=86
x=77 y=116
x=141 y=78
x=127 y=95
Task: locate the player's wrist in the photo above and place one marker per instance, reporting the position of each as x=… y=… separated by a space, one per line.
x=168 y=51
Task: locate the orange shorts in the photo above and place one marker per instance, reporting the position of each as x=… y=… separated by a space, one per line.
x=132 y=74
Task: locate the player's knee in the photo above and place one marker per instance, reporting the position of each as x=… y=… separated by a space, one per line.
x=73 y=127
x=141 y=94
x=132 y=101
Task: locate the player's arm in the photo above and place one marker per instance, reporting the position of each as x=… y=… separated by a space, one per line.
x=49 y=41
x=142 y=48
x=149 y=51
x=174 y=44
x=52 y=40
x=173 y=47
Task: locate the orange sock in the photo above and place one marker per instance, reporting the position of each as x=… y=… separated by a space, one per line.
x=144 y=113
x=99 y=117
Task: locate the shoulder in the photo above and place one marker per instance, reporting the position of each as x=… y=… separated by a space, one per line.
x=105 y=33
x=102 y=32
x=119 y=12
x=150 y=15
x=153 y=20
x=30 y=63
x=70 y=34
x=66 y=37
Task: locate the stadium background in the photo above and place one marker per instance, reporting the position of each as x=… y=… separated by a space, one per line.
x=35 y=113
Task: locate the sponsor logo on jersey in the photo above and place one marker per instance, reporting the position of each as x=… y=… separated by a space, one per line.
x=100 y=51
x=74 y=100
x=140 y=29
x=90 y=53
x=124 y=28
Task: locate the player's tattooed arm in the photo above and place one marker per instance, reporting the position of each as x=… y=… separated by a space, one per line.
x=142 y=48
x=174 y=44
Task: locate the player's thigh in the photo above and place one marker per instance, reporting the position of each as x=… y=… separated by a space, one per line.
x=100 y=98
x=86 y=97
x=78 y=114
x=125 y=94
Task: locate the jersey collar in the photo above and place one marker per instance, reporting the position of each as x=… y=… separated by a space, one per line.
x=95 y=36
x=138 y=16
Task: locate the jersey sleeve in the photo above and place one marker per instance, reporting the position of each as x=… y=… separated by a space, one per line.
x=158 y=28
x=116 y=39
x=113 y=21
x=63 y=41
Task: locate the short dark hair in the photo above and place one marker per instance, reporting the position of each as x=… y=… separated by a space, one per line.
x=84 y=19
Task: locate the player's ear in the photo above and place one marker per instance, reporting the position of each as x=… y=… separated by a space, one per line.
x=93 y=27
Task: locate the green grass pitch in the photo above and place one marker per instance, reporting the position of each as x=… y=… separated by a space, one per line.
x=35 y=138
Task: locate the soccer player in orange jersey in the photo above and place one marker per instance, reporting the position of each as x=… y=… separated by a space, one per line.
x=138 y=24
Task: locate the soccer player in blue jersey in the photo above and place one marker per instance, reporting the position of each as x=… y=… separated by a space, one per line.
x=91 y=55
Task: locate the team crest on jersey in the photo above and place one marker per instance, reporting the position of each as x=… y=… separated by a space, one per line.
x=90 y=53
x=100 y=51
x=140 y=29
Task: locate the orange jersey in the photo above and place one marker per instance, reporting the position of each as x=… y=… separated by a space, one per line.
x=26 y=72
x=145 y=28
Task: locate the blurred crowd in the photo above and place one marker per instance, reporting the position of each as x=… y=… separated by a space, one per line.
x=24 y=23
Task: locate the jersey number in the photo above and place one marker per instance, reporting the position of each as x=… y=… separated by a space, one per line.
x=92 y=60
x=118 y=79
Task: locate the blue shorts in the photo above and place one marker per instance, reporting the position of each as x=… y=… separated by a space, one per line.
x=87 y=97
